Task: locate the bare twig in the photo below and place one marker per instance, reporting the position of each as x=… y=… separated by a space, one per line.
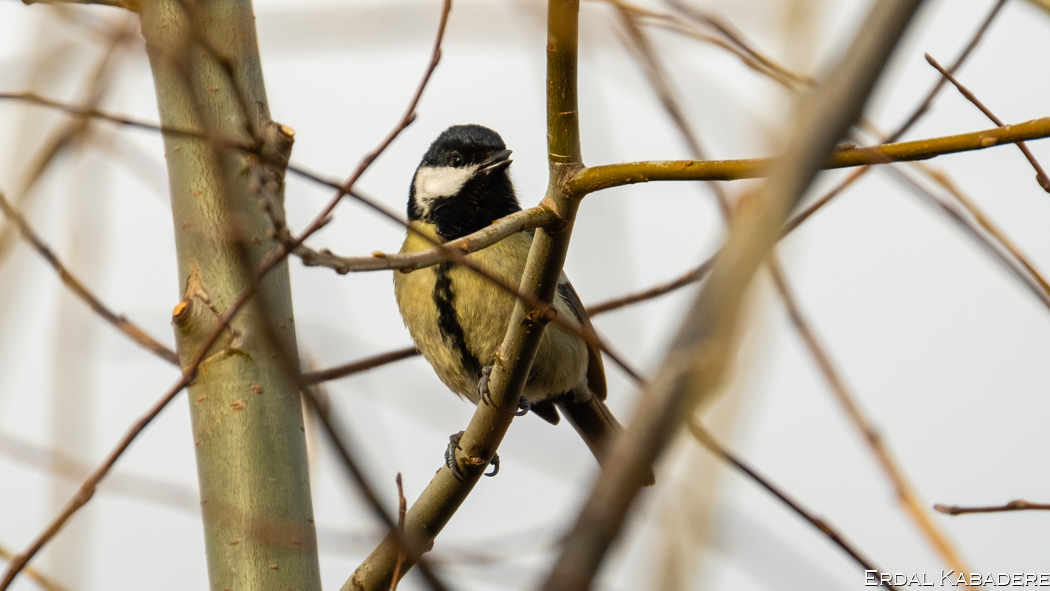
x=339 y=371
x=534 y=217
x=906 y=493
x=45 y=582
x=1011 y=506
x=708 y=441
x=1040 y=174
x=927 y=102
x=87 y=488
x=942 y=179
x=130 y=329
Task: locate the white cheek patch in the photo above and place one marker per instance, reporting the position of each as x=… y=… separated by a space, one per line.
x=440 y=181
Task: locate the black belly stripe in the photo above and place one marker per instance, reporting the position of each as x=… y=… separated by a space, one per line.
x=448 y=323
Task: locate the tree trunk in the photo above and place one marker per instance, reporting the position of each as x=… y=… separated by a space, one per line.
x=247 y=418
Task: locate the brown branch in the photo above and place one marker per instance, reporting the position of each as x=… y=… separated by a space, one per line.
x=694 y=367
x=1011 y=506
x=534 y=217
x=340 y=371
x=607 y=176
x=985 y=222
x=777 y=71
x=1040 y=174
x=45 y=582
x=125 y=326
x=906 y=494
x=927 y=102
x=708 y=441
x=88 y=487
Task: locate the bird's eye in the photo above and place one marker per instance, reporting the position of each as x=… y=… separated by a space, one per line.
x=457 y=159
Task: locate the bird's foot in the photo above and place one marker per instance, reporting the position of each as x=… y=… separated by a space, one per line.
x=524 y=406
x=450 y=458
x=483 y=385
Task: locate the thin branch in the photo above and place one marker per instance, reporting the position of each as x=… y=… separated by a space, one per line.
x=694 y=367
x=985 y=222
x=1011 y=506
x=927 y=102
x=128 y=328
x=607 y=176
x=88 y=487
x=526 y=219
x=906 y=494
x=340 y=371
x=1040 y=174
x=973 y=229
x=737 y=39
x=45 y=582
x=708 y=441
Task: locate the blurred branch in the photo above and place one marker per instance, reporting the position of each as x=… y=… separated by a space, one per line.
x=708 y=441
x=1043 y=5
x=606 y=176
x=985 y=222
x=72 y=131
x=477 y=446
x=906 y=493
x=694 y=367
x=972 y=227
x=33 y=574
x=659 y=79
x=771 y=67
x=130 y=329
x=1011 y=506
x=1040 y=174
x=88 y=487
x=132 y=5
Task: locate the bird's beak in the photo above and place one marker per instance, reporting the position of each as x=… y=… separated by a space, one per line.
x=496 y=162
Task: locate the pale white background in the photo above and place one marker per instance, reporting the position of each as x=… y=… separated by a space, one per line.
x=946 y=351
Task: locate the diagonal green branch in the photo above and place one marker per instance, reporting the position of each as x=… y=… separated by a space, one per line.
x=444 y=495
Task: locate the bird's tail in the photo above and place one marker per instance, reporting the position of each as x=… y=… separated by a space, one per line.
x=596 y=425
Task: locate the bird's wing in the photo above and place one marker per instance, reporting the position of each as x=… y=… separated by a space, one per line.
x=595 y=368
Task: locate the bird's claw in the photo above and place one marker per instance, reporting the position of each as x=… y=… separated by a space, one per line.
x=483 y=385
x=453 y=466
x=524 y=406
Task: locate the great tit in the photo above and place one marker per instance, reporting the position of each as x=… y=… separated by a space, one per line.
x=458 y=319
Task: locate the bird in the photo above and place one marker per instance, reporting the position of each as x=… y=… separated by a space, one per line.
x=458 y=318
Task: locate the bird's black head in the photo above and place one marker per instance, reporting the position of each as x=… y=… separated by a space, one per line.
x=461 y=185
